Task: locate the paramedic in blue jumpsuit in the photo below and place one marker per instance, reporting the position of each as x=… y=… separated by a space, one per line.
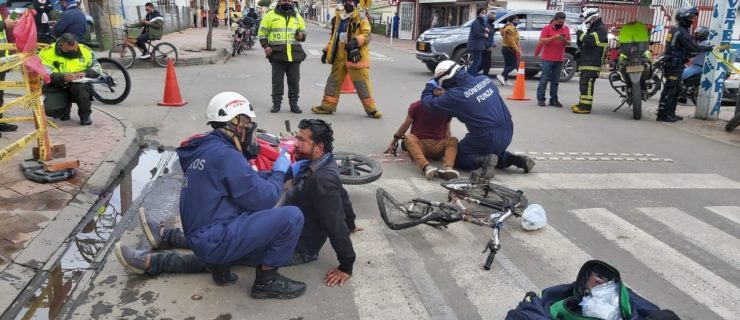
x=476 y=102
x=226 y=207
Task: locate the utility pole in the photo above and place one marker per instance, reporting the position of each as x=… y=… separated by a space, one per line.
x=714 y=72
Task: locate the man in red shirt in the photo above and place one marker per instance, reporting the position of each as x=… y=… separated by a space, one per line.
x=553 y=40
x=430 y=138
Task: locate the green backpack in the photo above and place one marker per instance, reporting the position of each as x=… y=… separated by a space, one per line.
x=569 y=308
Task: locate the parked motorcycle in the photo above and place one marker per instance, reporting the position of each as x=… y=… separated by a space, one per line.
x=631 y=79
x=243 y=39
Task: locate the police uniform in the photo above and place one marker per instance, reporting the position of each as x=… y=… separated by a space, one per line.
x=3 y=53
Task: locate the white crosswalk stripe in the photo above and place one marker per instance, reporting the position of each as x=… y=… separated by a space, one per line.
x=314 y=52
x=728 y=212
x=702 y=285
x=592 y=181
x=374 y=56
x=716 y=242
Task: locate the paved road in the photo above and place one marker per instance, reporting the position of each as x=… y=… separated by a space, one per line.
x=659 y=203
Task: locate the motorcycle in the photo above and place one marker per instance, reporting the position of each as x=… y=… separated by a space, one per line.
x=243 y=39
x=633 y=79
x=354 y=168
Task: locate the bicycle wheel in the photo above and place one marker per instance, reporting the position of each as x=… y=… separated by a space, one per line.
x=123 y=54
x=489 y=195
x=356 y=168
x=164 y=51
x=114 y=84
x=235 y=47
x=399 y=216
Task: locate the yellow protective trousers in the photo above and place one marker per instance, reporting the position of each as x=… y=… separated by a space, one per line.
x=360 y=79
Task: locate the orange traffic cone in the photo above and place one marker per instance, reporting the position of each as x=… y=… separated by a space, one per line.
x=347 y=86
x=519 y=84
x=172 y=96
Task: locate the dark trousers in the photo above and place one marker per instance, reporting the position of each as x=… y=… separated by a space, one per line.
x=395 y=32
x=281 y=69
x=471 y=149
x=669 y=96
x=141 y=42
x=509 y=61
x=586 y=86
x=485 y=65
x=550 y=73
x=474 y=67
x=2 y=92
x=58 y=101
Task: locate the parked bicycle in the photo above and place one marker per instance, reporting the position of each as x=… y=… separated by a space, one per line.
x=503 y=201
x=242 y=40
x=125 y=51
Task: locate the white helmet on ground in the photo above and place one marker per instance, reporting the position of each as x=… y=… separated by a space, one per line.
x=227 y=105
x=589 y=13
x=446 y=70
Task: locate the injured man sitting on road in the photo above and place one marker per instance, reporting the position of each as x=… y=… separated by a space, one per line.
x=315 y=176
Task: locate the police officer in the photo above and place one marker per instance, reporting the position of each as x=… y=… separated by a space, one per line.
x=592 y=40
x=679 y=46
x=6 y=27
x=67 y=61
x=281 y=32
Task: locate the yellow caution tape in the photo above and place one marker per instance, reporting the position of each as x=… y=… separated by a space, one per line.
x=15 y=119
x=14 y=147
x=729 y=64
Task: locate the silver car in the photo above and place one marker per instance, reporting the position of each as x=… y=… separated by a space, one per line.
x=437 y=44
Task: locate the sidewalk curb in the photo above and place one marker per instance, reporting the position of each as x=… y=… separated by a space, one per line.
x=218 y=55
x=32 y=265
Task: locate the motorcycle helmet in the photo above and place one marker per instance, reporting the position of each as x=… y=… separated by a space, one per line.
x=701 y=34
x=446 y=70
x=685 y=16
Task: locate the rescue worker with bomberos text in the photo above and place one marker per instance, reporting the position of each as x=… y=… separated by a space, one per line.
x=678 y=48
x=348 y=53
x=281 y=32
x=592 y=41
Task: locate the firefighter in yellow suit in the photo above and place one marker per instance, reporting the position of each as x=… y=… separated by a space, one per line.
x=348 y=52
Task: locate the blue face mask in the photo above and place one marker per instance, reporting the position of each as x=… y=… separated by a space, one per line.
x=515 y=23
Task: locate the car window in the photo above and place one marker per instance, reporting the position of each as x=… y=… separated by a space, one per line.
x=522 y=21
x=539 y=21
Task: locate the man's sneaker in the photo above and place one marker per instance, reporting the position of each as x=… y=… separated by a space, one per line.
x=508 y=84
x=375 y=114
x=134 y=260
x=541 y=103
x=279 y=287
x=555 y=103
x=145 y=56
x=430 y=171
x=152 y=230
x=448 y=173
x=501 y=79
x=321 y=110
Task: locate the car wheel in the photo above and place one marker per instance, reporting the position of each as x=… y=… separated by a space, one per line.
x=431 y=65
x=570 y=66
x=463 y=57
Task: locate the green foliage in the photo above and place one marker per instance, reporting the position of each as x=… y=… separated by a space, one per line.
x=379 y=28
x=264 y=3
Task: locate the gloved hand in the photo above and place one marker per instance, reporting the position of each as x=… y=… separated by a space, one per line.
x=354 y=56
x=323 y=56
x=433 y=82
x=282 y=163
x=582 y=27
x=352 y=45
x=296 y=167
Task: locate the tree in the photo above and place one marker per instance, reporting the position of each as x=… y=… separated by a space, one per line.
x=264 y=3
x=213 y=11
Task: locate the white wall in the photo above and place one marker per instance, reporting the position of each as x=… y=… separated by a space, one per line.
x=526 y=4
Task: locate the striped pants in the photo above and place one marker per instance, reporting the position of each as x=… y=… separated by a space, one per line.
x=586 y=85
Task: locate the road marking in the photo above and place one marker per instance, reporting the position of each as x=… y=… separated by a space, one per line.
x=377 y=55
x=561 y=256
x=709 y=238
x=314 y=52
x=492 y=292
x=731 y=213
x=555 y=181
x=694 y=280
x=382 y=292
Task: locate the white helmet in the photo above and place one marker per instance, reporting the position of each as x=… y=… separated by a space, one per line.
x=227 y=105
x=589 y=13
x=446 y=70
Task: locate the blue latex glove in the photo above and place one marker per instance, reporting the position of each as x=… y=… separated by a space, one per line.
x=433 y=82
x=282 y=163
x=296 y=167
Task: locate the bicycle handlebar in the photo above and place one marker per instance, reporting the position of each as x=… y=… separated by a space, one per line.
x=491 y=255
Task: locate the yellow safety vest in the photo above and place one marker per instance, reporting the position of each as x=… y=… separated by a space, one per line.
x=279 y=33
x=55 y=63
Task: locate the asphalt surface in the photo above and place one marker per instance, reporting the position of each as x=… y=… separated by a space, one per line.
x=659 y=203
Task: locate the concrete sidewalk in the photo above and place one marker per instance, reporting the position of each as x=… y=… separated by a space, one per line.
x=191 y=44
x=36 y=219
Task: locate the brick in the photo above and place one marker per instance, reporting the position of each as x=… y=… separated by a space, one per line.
x=61 y=164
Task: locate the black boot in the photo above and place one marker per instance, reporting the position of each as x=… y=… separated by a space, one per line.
x=271 y=284
x=523 y=162
x=7 y=127
x=221 y=274
x=275 y=107
x=668 y=118
x=487 y=169
x=295 y=109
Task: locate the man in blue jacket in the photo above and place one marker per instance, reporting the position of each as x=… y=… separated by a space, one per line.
x=72 y=21
x=226 y=207
x=477 y=40
x=476 y=102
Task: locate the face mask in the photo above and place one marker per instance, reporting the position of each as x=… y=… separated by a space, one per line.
x=286 y=6
x=71 y=54
x=349 y=8
x=557 y=26
x=514 y=23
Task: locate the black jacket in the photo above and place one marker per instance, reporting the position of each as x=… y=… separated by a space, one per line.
x=323 y=201
x=679 y=46
x=593 y=45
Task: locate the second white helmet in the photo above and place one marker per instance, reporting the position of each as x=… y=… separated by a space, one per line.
x=446 y=70
x=589 y=13
x=226 y=105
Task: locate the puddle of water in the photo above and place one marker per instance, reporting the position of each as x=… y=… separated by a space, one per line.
x=49 y=299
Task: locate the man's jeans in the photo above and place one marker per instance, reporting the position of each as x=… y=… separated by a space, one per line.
x=550 y=73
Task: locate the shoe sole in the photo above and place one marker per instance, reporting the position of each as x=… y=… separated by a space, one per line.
x=265 y=295
x=431 y=173
x=448 y=174
x=123 y=262
x=493 y=161
x=147 y=230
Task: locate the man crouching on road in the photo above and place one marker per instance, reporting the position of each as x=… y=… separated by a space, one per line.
x=227 y=208
x=476 y=102
x=314 y=188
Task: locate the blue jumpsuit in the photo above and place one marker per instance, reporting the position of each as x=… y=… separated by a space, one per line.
x=226 y=207
x=476 y=102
